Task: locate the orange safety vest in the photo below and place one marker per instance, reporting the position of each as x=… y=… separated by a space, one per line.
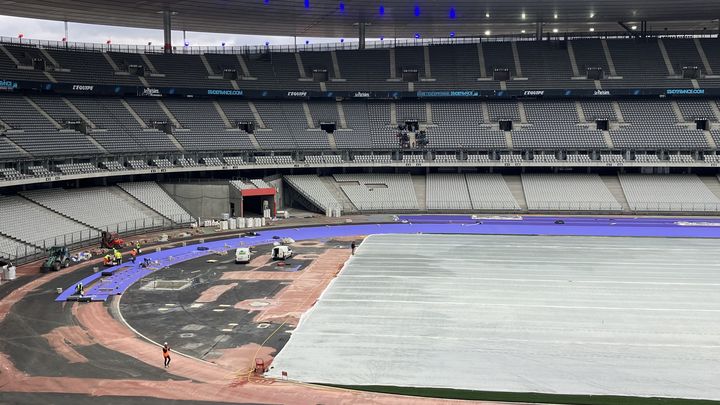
x=133 y=252
x=166 y=352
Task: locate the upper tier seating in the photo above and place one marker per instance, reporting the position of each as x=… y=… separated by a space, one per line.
x=198 y=125
x=544 y=64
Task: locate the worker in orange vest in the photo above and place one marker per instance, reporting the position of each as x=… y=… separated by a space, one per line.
x=133 y=255
x=166 y=354
x=107 y=260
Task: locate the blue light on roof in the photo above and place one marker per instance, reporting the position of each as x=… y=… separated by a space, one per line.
x=452 y=13
x=381 y=10
x=417 y=11
x=417 y=35
x=307 y=3
x=452 y=34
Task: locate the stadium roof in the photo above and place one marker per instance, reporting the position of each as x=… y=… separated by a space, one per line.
x=390 y=18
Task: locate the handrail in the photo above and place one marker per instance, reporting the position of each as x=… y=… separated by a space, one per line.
x=340 y=46
x=36 y=249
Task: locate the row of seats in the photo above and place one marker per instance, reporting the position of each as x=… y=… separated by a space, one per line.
x=314 y=189
x=104 y=208
x=154 y=196
x=540 y=192
x=12 y=174
x=38 y=226
x=544 y=64
x=668 y=193
x=568 y=192
x=128 y=125
x=373 y=192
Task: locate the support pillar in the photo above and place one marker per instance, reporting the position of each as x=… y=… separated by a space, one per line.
x=167 y=31
x=361 y=35
x=538 y=31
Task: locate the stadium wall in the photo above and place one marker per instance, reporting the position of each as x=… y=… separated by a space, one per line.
x=201 y=200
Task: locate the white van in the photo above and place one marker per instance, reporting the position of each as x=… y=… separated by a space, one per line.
x=242 y=255
x=281 y=252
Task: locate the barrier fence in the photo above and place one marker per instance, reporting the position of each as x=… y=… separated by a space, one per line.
x=339 y=46
x=386 y=206
x=34 y=250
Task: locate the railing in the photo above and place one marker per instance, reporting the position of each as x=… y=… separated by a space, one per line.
x=37 y=249
x=574 y=205
x=674 y=207
x=347 y=45
x=450 y=205
x=6 y=256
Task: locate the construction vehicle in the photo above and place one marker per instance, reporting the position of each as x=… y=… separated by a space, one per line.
x=281 y=252
x=58 y=257
x=111 y=240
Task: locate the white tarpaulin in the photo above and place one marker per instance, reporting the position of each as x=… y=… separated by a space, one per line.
x=552 y=314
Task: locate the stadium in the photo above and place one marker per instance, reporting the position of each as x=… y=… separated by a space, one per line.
x=443 y=202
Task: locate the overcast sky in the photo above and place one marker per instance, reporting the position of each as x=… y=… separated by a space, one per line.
x=54 y=30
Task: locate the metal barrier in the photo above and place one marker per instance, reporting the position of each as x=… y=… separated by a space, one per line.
x=36 y=249
x=674 y=207
x=338 y=46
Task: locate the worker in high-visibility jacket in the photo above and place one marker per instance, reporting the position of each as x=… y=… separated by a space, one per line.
x=118 y=257
x=133 y=254
x=107 y=260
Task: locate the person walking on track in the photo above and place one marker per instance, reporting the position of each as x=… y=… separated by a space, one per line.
x=166 y=354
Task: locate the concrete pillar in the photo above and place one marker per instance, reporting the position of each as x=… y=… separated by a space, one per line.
x=167 y=30
x=361 y=35
x=538 y=31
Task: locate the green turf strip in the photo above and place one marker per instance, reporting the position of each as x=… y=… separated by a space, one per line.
x=448 y=393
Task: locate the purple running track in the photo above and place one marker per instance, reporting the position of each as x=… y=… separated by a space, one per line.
x=120 y=281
